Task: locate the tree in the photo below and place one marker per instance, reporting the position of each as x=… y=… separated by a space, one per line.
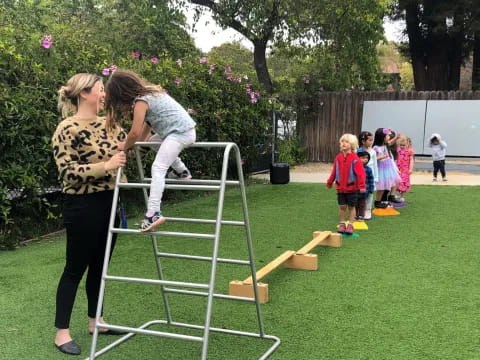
x=441 y=35
x=233 y=54
x=305 y=22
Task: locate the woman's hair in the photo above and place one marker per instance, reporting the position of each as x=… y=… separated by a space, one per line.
x=380 y=134
x=364 y=135
x=69 y=94
x=351 y=139
x=122 y=88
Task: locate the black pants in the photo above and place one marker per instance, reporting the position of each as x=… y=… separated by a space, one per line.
x=86 y=219
x=439 y=165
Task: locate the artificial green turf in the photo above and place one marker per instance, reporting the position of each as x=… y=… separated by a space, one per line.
x=408 y=288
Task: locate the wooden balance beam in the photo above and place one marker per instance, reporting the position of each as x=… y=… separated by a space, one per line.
x=300 y=259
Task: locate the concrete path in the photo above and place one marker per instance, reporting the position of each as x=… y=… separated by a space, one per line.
x=459 y=172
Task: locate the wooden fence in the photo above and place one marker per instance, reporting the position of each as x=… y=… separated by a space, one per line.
x=323 y=119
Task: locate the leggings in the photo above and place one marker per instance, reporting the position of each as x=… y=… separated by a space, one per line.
x=167 y=156
x=86 y=219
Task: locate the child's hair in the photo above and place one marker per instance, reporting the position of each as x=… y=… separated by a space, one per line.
x=361 y=152
x=380 y=135
x=351 y=139
x=434 y=137
x=409 y=142
x=69 y=94
x=364 y=135
x=122 y=88
x=402 y=140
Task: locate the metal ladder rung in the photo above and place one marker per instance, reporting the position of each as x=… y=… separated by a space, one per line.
x=156 y=282
x=202 y=258
x=207 y=221
x=151 y=332
x=169 y=186
x=198 y=181
x=200 y=293
x=163 y=233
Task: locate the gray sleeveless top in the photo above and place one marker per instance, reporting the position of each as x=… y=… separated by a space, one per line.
x=165 y=115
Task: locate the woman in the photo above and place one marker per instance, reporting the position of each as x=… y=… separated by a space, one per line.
x=87 y=158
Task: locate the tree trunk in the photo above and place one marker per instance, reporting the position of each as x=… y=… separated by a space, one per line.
x=260 y=62
x=415 y=45
x=476 y=63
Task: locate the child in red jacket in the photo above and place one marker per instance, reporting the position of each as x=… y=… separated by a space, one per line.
x=349 y=177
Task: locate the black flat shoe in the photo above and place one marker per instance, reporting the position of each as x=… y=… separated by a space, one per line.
x=110 y=332
x=69 y=348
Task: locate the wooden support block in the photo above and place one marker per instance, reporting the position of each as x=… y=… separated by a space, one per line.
x=318 y=237
x=239 y=288
x=270 y=266
x=303 y=262
x=333 y=240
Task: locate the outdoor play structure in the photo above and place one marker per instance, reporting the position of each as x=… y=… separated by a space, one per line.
x=172 y=287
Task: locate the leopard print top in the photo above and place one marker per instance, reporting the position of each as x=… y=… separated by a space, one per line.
x=81 y=146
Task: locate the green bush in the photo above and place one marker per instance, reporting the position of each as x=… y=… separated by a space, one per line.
x=31 y=75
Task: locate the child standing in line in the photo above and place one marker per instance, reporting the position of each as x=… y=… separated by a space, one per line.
x=388 y=177
x=364 y=157
x=153 y=109
x=404 y=164
x=365 y=141
x=439 y=150
x=349 y=177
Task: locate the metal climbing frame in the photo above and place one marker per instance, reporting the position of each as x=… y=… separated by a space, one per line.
x=168 y=286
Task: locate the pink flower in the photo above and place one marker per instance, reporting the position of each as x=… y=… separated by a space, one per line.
x=306 y=107
x=106 y=72
x=228 y=69
x=248 y=91
x=177 y=81
x=242 y=162
x=321 y=89
x=47 y=41
x=154 y=60
x=249 y=84
x=203 y=60
x=191 y=111
x=306 y=80
x=218 y=116
x=113 y=68
x=136 y=54
x=213 y=66
x=179 y=62
x=253 y=100
x=257 y=93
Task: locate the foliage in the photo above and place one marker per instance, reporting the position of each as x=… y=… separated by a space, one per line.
x=291 y=151
x=351 y=28
x=441 y=35
x=234 y=53
x=406 y=77
x=46 y=42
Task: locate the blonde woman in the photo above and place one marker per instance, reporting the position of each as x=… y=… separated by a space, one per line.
x=87 y=157
x=349 y=176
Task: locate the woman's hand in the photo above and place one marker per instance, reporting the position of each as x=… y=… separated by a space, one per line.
x=116 y=161
x=121 y=146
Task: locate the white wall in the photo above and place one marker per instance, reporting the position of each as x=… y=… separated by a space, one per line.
x=457 y=121
x=402 y=116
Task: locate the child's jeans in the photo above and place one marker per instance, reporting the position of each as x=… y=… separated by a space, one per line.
x=439 y=165
x=167 y=156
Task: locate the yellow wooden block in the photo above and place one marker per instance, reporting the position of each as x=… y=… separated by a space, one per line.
x=239 y=288
x=333 y=239
x=303 y=262
x=360 y=225
x=272 y=265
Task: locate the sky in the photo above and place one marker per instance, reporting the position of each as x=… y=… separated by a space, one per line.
x=208 y=35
